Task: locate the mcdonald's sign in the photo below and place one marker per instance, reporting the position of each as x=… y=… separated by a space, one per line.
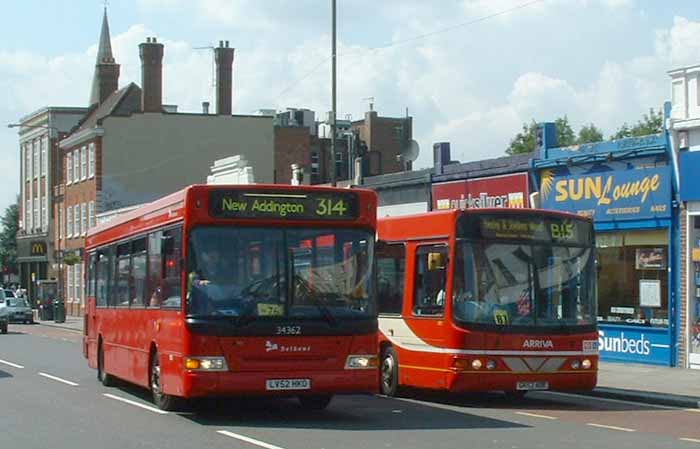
x=38 y=248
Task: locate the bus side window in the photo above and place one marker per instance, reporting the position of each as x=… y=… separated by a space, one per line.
x=91 y=274
x=102 y=277
x=138 y=272
x=430 y=281
x=123 y=274
x=154 y=287
x=111 y=276
x=391 y=265
x=172 y=255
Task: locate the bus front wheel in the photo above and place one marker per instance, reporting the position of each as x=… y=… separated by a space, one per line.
x=105 y=379
x=161 y=400
x=389 y=381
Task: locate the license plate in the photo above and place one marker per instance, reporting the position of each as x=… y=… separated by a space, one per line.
x=542 y=385
x=288 y=384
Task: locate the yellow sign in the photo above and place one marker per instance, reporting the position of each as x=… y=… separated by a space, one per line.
x=501 y=317
x=696 y=255
x=605 y=191
x=270 y=309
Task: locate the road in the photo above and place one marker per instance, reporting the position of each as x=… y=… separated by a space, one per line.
x=49 y=398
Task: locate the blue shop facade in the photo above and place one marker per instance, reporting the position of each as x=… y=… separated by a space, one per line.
x=628 y=188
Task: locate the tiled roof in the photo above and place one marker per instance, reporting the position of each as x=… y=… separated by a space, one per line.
x=123 y=102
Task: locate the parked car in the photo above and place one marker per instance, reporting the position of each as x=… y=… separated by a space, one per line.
x=4 y=313
x=18 y=309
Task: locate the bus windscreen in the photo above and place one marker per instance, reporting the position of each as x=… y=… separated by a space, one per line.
x=302 y=205
x=543 y=229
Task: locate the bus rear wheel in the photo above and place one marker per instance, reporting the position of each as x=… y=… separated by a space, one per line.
x=105 y=379
x=389 y=374
x=161 y=400
x=319 y=402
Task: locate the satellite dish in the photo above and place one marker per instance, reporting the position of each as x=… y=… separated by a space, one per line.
x=409 y=153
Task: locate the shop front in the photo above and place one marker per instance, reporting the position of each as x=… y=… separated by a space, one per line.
x=629 y=196
x=490 y=192
x=690 y=194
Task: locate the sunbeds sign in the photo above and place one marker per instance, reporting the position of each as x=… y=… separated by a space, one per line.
x=285 y=205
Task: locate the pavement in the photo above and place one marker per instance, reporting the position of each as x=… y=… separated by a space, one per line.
x=675 y=387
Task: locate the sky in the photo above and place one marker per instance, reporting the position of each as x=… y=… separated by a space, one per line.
x=469 y=72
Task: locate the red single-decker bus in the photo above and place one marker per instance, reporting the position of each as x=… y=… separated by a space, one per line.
x=237 y=290
x=487 y=299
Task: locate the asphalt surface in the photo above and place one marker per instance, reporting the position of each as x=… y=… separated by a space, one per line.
x=49 y=398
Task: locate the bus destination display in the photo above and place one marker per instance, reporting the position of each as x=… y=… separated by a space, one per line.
x=548 y=229
x=285 y=205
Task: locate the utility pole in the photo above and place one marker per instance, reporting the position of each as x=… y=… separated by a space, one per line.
x=334 y=112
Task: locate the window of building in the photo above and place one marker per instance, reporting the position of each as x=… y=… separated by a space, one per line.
x=84 y=216
x=91 y=213
x=123 y=273
x=391 y=264
x=28 y=214
x=61 y=224
x=45 y=213
x=76 y=165
x=91 y=160
x=138 y=272
x=398 y=132
x=633 y=277
x=69 y=283
x=78 y=282
x=37 y=223
x=430 y=280
x=76 y=221
x=44 y=157
x=83 y=163
x=35 y=149
x=69 y=168
x=69 y=222
x=28 y=162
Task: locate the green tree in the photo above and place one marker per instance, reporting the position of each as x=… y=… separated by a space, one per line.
x=651 y=123
x=524 y=141
x=589 y=134
x=8 y=238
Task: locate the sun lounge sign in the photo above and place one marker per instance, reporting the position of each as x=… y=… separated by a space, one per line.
x=608 y=192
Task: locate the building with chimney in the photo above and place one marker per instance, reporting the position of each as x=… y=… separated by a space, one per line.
x=131 y=149
x=379 y=141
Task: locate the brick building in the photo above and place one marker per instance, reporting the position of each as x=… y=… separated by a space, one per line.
x=130 y=148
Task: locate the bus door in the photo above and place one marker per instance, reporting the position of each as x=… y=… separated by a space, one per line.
x=424 y=314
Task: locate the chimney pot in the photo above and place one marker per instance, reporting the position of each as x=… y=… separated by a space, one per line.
x=205 y=107
x=223 y=58
x=226 y=44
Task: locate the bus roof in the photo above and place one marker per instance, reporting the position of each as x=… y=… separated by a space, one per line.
x=441 y=223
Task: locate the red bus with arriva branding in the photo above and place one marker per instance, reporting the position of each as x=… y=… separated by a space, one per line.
x=237 y=290
x=487 y=300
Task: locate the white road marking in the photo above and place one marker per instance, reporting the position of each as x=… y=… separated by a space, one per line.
x=14 y=365
x=694 y=410
x=137 y=404
x=534 y=415
x=621 y=429
x=58 y=379
x=692 y=440
x=248 y=439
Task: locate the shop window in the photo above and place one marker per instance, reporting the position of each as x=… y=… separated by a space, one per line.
x=430 y=277
x=633 y=278
x=391 y=263
x=694 y=290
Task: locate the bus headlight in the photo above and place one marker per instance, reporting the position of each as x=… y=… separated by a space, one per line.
x=575 y=364
x=586 y=364
x=206 y=364
x=476 y=364
x=361 y=362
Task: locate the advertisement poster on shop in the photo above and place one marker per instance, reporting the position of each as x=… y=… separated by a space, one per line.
x=506 y=191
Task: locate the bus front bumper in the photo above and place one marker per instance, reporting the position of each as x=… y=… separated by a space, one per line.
x=473 y=381
x=280 y=383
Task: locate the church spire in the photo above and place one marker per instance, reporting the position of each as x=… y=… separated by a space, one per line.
x=106 y=77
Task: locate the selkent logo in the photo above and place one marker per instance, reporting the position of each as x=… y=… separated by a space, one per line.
x=272 y=346
x=538 y=344
x=640 y=346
